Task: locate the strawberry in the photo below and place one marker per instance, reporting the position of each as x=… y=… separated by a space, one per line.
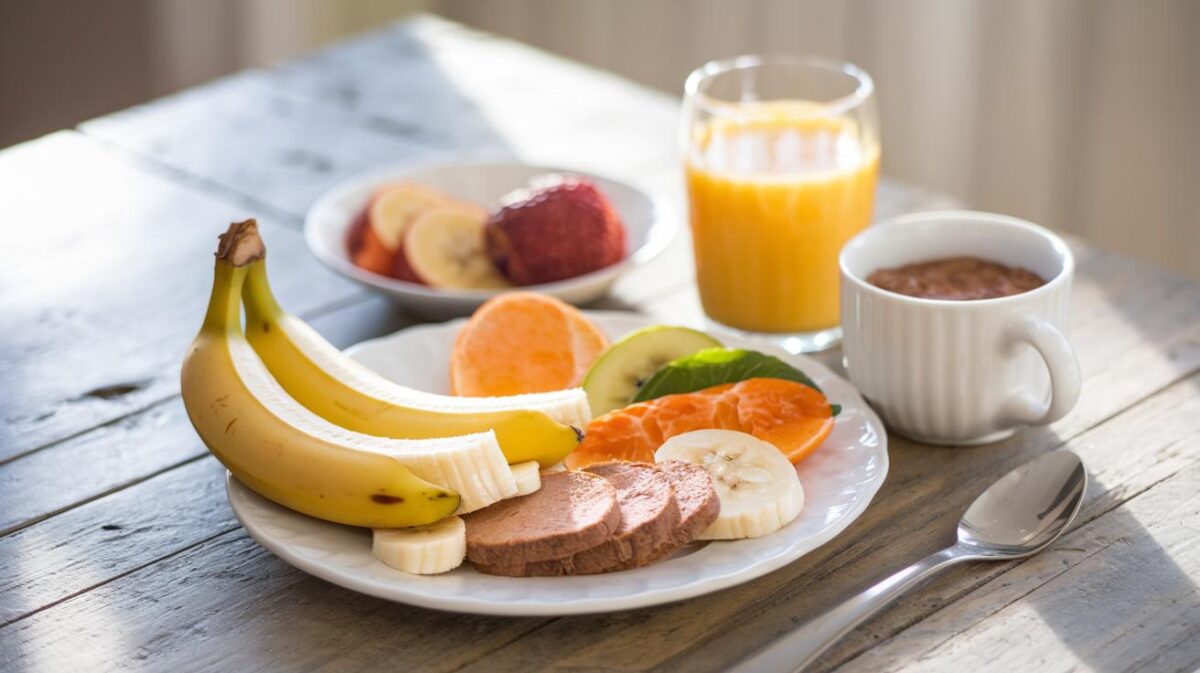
x=560 y=228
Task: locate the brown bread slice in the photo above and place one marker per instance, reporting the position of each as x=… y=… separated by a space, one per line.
x=649 y=520
x=571 y=512
x=698 y=506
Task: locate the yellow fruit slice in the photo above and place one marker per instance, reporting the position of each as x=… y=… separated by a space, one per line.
x=394 y=209
x=444 y=247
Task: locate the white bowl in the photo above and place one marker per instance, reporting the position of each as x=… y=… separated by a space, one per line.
x=648 y=224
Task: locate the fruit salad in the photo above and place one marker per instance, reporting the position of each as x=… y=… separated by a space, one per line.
x=558 y=227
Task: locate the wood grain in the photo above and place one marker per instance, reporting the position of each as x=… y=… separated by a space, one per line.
x=1119 y=594
x=106 y=271
x=227 y=604
x=111 y=536
x=253 y=143
x=470 y=90
x=276 y=139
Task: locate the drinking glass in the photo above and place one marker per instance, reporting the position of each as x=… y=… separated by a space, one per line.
x=782 y=161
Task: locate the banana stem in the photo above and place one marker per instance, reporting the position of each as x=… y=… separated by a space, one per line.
x=225 y=303
x=240 y=247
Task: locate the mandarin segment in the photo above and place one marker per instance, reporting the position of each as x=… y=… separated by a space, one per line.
x=792 y=416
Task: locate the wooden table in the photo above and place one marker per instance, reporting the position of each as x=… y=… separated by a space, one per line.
x=117 y=547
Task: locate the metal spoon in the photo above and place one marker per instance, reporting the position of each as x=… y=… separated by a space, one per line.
x=1019 y=515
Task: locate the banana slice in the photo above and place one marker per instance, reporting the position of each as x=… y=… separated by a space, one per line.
x=423 y=550
x=528 y=476
x=758 y=488
x=444 y=246
x=394 y=209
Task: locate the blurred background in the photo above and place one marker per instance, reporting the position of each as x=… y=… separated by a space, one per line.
x=1083 y=115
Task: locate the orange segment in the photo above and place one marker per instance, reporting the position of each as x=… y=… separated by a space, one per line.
x=792 y=416
x=521 y=342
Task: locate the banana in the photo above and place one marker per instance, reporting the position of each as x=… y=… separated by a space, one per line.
x=445 y=247
x=330 y=384
x=422 y=550
x=756 y=484
x=528 y=476
x=289 y=455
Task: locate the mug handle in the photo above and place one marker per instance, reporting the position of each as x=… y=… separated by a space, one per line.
x=1060 y=359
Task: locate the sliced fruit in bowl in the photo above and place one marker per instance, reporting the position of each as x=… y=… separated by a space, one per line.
x=396 y=207
x=583 y=254
x=444 y=247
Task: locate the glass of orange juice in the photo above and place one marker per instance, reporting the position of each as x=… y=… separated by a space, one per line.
x=782 y=161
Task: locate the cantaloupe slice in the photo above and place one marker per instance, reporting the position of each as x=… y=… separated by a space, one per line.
x=522 y=342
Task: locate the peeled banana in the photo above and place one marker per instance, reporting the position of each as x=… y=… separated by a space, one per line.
x=335 y=387
x=756 y=484
x=528 y=477
x=293 y=457
x=422 y=550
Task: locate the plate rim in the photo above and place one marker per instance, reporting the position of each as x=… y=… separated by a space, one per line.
x=698 y=586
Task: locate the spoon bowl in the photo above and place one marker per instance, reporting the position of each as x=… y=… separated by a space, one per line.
x=1026 y=509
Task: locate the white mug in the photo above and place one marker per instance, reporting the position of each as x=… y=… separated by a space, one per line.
x=960 y=372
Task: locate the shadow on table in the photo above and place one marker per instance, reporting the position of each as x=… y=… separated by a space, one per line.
x=1118 y=608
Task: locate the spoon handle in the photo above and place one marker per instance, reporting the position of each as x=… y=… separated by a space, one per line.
x=799 y=647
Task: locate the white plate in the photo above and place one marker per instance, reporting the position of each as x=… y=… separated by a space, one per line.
x=648 y=223
x=839 y=478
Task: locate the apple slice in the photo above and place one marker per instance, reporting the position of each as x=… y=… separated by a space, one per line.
x=395 y=207
x=444 y=247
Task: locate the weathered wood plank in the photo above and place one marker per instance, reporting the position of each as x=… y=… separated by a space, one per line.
x=114 y=535
x=272 y=151
x=470 y=90
x=277 y=139
x=180 y=614
x=105 y=272
x=1119 y=594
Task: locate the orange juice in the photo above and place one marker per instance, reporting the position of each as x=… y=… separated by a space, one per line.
x=773 y=198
